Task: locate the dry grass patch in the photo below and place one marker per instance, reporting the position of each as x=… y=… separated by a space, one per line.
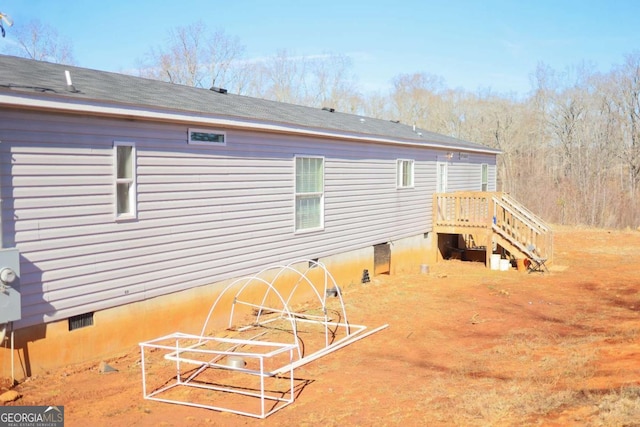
x=619 y=407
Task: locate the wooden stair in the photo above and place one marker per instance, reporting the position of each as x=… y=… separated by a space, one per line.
x=519 y=231
x=499 y=218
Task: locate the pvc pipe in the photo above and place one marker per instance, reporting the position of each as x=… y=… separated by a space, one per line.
x=326 y=351
x=3 y=336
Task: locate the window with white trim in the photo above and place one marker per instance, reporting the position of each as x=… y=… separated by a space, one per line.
x=485 y=177
x=309 y=193
x=443 y=171
x=125 y=179
x=207 y=137
x=404 y=177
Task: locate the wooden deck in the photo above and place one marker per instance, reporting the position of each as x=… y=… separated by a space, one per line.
x=493 y=218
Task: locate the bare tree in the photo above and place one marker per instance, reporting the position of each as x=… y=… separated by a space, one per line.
x=323 y=80
x=417 y=99
x=627 y=98
x=606 y=136
x=331 y=83
x=194 y=56
x=376 y=104
x=41 y=42
x=283 y=78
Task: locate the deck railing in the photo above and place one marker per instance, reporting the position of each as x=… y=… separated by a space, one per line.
x=462 y=211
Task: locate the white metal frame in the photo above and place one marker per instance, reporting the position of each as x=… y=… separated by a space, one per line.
x=186 y=354
x=193 y=349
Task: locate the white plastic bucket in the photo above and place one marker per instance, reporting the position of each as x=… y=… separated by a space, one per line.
x=495 y=262
x=505 y=265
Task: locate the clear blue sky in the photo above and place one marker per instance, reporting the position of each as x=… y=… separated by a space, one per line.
x=483 y=44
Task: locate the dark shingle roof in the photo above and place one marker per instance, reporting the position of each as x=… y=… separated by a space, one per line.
x=48 y=80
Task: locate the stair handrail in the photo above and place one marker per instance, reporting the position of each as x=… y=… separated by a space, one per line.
x=530 y=220
x=526 y=212
x=535 y=226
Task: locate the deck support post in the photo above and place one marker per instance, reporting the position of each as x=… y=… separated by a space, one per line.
x=489 y=234
x=489 y=245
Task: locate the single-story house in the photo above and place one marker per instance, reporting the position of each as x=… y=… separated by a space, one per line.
x=126 y=202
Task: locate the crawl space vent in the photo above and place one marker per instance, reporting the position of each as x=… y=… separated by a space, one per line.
x=80 y=321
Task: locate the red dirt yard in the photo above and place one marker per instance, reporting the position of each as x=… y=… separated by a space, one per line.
x=465 y=346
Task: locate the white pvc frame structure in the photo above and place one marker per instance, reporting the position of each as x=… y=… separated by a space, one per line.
x=261 y=349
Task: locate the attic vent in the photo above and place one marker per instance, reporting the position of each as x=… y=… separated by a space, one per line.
x=80 y=321
x=331 y=110
x=207 y=137
x=218 y=89
x=395 y=121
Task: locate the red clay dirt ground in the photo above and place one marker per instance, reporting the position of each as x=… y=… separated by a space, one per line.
x=465 y=346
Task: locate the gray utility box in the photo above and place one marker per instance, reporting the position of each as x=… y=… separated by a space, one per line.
x=10 y=304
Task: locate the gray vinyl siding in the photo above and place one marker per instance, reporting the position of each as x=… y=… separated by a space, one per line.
x=204 y=214
x=467 y=174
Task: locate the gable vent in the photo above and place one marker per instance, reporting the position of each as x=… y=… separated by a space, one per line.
x=80 y=321
x=218 y=89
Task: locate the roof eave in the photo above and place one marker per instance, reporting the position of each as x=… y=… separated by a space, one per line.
x=98 y=108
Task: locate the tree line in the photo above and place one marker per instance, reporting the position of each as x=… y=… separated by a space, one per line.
x=570 y=147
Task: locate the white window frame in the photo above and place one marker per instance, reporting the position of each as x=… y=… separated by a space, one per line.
x=442 y=172
x=401 y=165
x=298 y=195
x=484 y=177
x=130 y=181
x=190 y=131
